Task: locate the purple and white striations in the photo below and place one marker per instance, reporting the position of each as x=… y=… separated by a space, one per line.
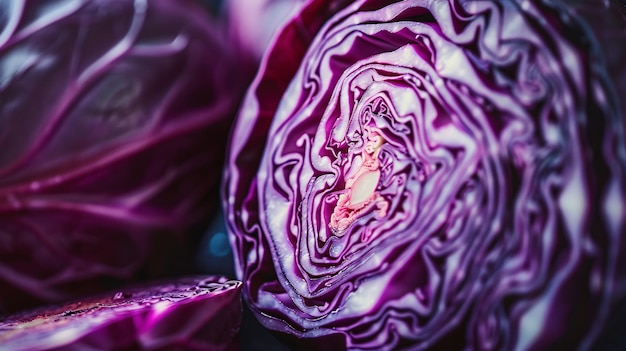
x=443 y=175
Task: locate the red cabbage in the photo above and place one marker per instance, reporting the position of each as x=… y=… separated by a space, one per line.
x=193 y=313
x=113 y=125
x=431 y=175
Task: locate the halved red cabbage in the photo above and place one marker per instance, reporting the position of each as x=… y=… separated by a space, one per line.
x=191 y=313
x=440 y=175
x=113 y=123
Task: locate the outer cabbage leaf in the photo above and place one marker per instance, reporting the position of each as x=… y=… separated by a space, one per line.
x=431 y=175
x=194 y=313
x=253 y=23
x=113 y=124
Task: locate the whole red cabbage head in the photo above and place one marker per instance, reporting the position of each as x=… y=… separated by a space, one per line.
x=113 y=122
x=445 y=175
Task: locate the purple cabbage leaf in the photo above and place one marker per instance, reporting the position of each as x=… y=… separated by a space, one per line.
x=253 y=23
x=192 y=313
